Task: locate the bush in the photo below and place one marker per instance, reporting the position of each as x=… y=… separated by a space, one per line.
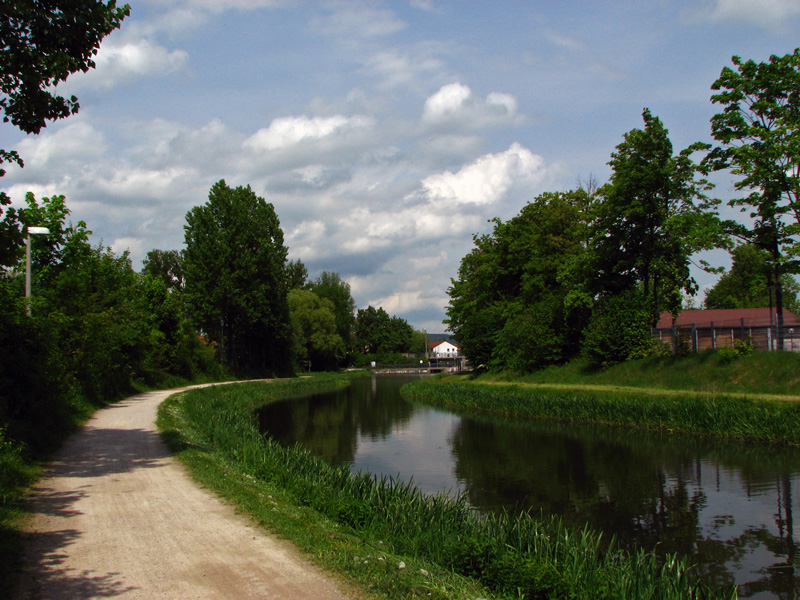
x=619 y=330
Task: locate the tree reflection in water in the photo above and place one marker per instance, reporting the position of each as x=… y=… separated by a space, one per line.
x=728 y=507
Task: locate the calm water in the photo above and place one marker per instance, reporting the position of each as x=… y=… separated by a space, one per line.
x=729 y=507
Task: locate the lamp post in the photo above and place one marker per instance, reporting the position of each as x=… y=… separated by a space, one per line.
x=31 y=231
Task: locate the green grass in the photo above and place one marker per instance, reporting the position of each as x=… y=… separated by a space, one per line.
x=775 y=373
x=729 y=417
x=365 y=528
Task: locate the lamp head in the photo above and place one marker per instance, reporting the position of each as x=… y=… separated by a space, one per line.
x=38 y=230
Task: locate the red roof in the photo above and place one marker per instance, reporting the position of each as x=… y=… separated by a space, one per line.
x=433 y=345
x=726 y=317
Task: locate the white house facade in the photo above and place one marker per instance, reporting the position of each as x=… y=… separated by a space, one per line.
x=444 y=349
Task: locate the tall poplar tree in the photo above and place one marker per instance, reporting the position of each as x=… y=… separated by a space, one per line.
x=234 y=270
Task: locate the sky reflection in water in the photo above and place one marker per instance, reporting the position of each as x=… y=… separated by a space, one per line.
x=729 y=507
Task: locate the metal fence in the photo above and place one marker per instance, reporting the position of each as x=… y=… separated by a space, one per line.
x=711 y=336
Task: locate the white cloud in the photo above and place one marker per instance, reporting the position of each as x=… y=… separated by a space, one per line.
x=456 y=106
x=487 y=179
x=76 y=142
x=290 y=131
x=123 y=62
x=449 y=100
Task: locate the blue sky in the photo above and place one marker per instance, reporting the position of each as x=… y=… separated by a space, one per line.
x=385 y=134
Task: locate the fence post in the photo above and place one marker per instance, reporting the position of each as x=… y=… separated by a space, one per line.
x=742 y=329
x=713 y=337
x=694 y=338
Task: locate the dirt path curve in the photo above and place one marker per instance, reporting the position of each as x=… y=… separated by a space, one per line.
x=116 y=516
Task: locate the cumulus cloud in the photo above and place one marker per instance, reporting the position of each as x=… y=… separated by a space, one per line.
x=456 y=106
x=487 y=179
x=289 y=131
x=123 y=62
x=77 y=142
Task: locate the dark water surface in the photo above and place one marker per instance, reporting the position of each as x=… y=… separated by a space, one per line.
x=729 y=507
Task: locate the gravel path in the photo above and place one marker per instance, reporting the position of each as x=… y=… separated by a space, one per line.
x=116 y=516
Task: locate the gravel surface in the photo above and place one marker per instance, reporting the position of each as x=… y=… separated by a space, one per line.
x=116 y=516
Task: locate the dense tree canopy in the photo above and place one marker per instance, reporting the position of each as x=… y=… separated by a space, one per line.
x=749 y=283
x=331 y=287
x=317 y=344
x=378 y=333
x=521 y=300
x=296 y=275
x=235 y=279
x=757 y=132
x=166 y=265
x=652 y=217
x=43 y=43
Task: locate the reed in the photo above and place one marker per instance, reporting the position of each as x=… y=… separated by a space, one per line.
x=513 y=556
x=727 y=417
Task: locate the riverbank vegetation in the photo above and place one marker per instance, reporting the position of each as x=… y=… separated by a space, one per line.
x=385 y=535
x=588 y=272
x=720 y=416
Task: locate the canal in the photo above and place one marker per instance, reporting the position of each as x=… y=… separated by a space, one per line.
x=729 y=507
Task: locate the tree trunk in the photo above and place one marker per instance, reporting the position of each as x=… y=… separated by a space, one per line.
x=779 y=307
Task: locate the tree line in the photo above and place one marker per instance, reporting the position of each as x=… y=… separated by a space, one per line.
x=587 y=272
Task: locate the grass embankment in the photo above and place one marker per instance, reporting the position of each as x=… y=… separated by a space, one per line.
x=751 y=399
x=387 y=537
x=760 y=373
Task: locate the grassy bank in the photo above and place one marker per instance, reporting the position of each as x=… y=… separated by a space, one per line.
x=387 y=538
x=754 y=398
x=772 y=373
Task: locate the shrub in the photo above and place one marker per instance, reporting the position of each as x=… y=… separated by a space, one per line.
x=619 y=330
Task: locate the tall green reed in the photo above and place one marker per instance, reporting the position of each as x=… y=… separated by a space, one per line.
x=724 y=417
x=513 y=555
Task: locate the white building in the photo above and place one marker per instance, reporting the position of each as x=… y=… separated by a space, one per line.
x=443 y=349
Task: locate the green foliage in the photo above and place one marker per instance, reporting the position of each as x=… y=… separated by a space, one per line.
x=383 y=359
x=97 y=327
x=716 y=415
x=511 y=555
x=653 y=216
x=757 y=131
x=740 y=348
x=235 y=280
x=166 y=265
x=10 y=233
x=619 y=329
x=520 y=300
x=747 y=283
x=44 y=43
x=316 y=340
x=296 y=275
x=331 y=287
x=378 y=333
x=532 y=336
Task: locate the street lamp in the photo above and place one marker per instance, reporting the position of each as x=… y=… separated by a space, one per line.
x=31 y=231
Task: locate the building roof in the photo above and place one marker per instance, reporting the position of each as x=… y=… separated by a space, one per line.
x=726 y=317
x=433 y=345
